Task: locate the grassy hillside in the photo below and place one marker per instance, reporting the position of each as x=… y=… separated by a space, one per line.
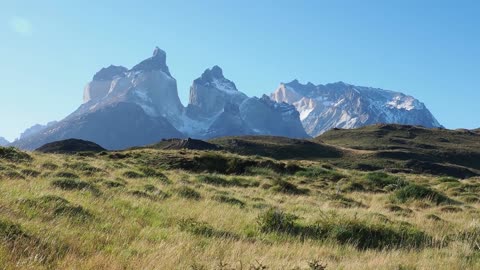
x=185 y=209
x=437 y=151
x=277 y=147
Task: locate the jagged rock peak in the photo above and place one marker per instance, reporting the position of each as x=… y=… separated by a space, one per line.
x=296 y=83
x=157 y=52
x=215 y=72
x=158 y=61
x=213 y=77
x=108 y=73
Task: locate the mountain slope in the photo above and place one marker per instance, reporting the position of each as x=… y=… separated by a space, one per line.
x=3 y=141
x=341 y=105
x=116 y=126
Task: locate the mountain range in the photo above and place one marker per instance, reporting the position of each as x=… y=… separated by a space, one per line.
x=129 y=107
x=341 y=105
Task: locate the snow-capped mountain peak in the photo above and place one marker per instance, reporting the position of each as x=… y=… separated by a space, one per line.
x=342 y=105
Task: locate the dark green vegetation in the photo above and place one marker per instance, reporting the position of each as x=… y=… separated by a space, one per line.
x=277 y=147
x=411 y=149
x=70 y=146
x=361 y=234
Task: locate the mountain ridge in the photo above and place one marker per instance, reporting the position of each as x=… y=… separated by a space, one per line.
x=342 y=105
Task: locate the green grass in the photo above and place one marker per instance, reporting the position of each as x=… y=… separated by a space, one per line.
x=149 y=208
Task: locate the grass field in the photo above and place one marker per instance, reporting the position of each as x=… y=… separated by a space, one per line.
x=157 y=209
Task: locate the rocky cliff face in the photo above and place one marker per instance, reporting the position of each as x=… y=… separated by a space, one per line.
x=341 y=105
x=148 y=84
x=217 y=108
x=210 y=93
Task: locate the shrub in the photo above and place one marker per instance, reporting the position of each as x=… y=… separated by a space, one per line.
x=451 y=209
x=339 y=200
x=133 y=174
x=277 y=221
x=150 y=172
x=280 y=185
x=10 y=231
x=66 y=175
x=49 y=166
x=213 y=180
x=188 y=193
x=361 y=234
x=417 y=192
x=113 y=184
x=433 y=217
x=382 y=180
x=217 y=180
x=55 y=206
x=83 y=167
x=229 y=200
x=13 y=175
x=398 y=209
x=203 y=229
x=73 y=184
x=30 y=173
x=13 y=154
x=447 y=179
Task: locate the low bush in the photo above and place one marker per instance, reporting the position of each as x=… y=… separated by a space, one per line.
x=280 y=185
x=11 y=174
x=417 y=192
x=49 y=166
x=83 y=167
x=228 y=200
x=10 y=231
x=55 y=206
x=12 y=154
x=383 y=180
x=218 y=180
x=133 y=174
x=30 y=173
x=188 y=193
x=74 y=184
x=113 y=184
x=192 y=226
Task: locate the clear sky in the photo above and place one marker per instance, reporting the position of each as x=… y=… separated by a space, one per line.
x=429 y=49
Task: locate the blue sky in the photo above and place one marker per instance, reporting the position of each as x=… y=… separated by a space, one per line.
x=429 y=49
